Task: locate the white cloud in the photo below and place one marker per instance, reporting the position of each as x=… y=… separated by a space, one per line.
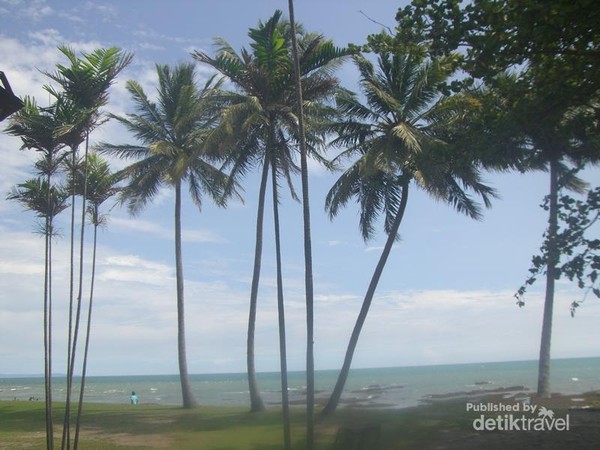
x=48 y=37
x=200 y=236
x=35 y=10
x=438 y=327
x=337 y=298
x=131 y=268
x=135 y=315
x=135 y=306
x=155 y=229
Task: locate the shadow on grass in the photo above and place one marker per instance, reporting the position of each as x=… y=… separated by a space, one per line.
x=227 y=428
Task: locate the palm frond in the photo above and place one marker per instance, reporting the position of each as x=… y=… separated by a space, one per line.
x=124 y=151
x=405 y=130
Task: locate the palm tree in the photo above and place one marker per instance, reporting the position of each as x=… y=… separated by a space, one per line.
x=260 y=126
x=85 y=83
x=46 y=202
x=399 y=138
x=172 y=132
x=261 y=76
x=308 y=273
x=37 y=129
x=99 y=184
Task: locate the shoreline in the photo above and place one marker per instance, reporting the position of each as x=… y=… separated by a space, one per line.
x=390 y=388
x=446 y=424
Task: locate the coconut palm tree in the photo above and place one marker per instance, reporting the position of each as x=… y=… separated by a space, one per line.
x=260 y=127
x=83 y=91
x=398 y=136
x=172 y=132
x=308 y=273
x=37 y=128
x=261 y=76
x=99 y=184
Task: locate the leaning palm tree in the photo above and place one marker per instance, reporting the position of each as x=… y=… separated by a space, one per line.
x=83 y=91
x=260 y=127
x=99 y=184
x=399 y=139
x=172 y=132
x=37 y=128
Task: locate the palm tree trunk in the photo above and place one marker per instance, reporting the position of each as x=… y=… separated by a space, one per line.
x=308 y=271
x=87 y=339
x=256 y=402
x=543 y=387
x=65 y=443
x=48 y=316
x=285 y=405
x=73 y=351
x=188 y=398
x=48 y=330
x=343 y=376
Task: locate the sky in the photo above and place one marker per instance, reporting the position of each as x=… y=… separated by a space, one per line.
x=446 y=295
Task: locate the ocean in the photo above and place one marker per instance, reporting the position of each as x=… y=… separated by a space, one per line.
x=396 y=387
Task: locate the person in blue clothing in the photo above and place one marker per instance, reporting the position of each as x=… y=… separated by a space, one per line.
x=134 y=398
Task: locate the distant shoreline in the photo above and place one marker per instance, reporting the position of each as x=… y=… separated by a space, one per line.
x=269 y=372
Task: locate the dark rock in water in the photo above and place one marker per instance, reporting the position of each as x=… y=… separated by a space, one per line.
x=376 y=389
x=472 y=394
x=480 y=383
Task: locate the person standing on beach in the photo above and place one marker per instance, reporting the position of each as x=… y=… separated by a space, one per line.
x=134 y=398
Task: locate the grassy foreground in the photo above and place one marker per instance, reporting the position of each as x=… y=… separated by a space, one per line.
x=110 y=426
x=444 y=425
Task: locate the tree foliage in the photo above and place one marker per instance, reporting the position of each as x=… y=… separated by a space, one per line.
x=260 y=124
x=44 y=200
x=496 y=35
x=579 y=242
x=540 y=62
x=401 y=136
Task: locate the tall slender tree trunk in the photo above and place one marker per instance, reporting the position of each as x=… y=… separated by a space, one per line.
x=48 y=318
x=256 y=402
x=87 y=339
x=343 y=376
x=73 y=351
x=188 y=398
x=285 y=405
x=543 y=387
x=48 y=330
x=308 y=270
x=48 y=400
x=65 y=443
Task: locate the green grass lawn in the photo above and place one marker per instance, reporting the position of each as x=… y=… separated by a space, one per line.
x=110 y=426
x=444 y=425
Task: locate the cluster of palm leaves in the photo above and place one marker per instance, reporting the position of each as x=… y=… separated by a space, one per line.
x=285 y=105
x=271 y=127
x=79 y=93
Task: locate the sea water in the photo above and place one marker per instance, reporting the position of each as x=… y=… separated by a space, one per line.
x=397 y=387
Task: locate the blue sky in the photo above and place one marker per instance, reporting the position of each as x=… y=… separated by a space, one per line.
x=446 y=293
